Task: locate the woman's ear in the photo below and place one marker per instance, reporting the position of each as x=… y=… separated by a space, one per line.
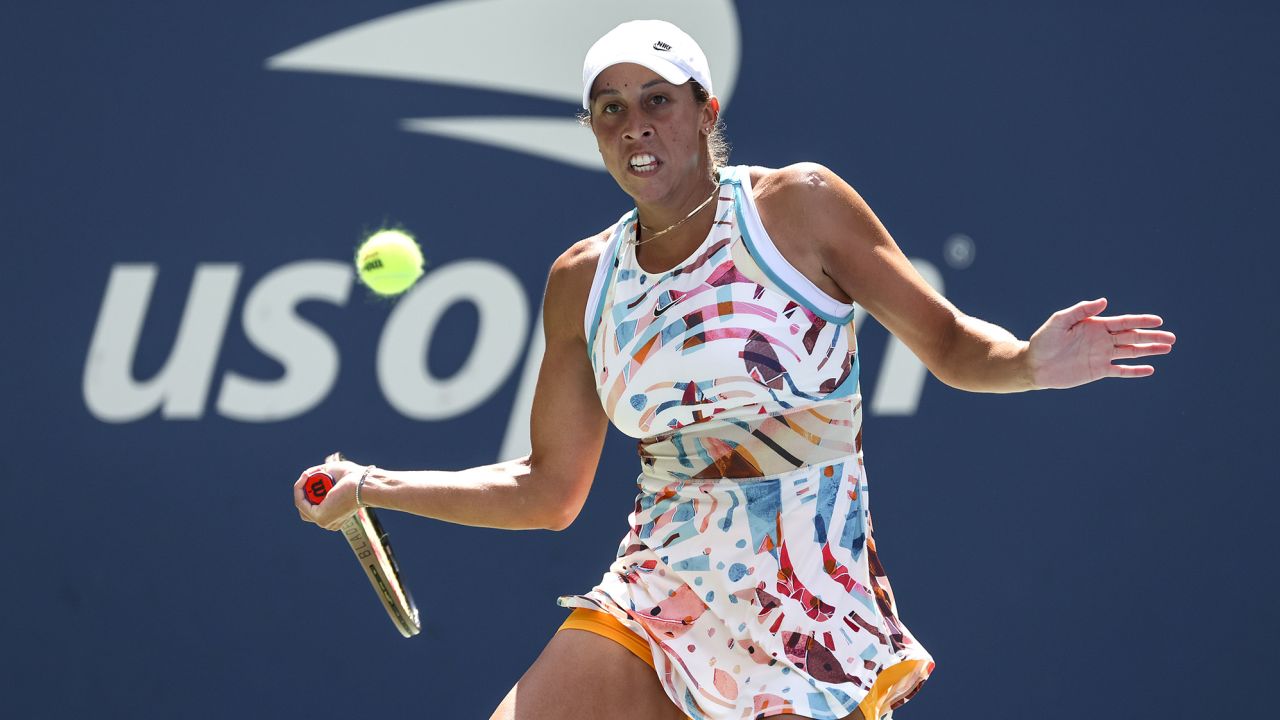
x=714 y=105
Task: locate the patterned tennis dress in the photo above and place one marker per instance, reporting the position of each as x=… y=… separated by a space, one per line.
x=749 y=566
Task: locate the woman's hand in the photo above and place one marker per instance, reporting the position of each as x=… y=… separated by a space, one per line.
x=340 y=502
x=542 y=490
x=1075 y=346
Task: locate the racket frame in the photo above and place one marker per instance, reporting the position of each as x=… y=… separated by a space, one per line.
x=372 y=548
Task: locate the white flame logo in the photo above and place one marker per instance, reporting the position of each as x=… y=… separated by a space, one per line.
x=522 y=47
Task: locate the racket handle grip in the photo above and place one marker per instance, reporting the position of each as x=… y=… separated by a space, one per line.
x=317 y=487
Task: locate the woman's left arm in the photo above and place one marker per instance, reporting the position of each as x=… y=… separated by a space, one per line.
x=1074 y=346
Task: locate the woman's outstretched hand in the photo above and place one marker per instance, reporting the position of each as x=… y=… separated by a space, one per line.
x=1076 y=346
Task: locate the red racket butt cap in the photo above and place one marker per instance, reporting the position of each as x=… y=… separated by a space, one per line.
x=317 y=486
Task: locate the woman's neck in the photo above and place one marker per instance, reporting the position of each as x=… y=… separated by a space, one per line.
x=662 y=217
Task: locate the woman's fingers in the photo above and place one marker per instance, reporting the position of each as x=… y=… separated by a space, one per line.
x=1125 y=352
x=1081 y=311
x=1130 y=371
x=302 y=479
x=316 y=513
x=1142 y=337
x=1119 y=323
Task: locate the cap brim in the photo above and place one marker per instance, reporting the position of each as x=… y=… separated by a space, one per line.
x=669 y=71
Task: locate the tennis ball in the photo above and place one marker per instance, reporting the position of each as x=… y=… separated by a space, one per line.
x=389 y=262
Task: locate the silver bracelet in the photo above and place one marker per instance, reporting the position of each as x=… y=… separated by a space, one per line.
x=364 y=476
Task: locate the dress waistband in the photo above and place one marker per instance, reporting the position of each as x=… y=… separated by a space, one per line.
x=756 y=444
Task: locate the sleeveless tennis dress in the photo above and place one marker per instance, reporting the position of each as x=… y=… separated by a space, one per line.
x=749 y=566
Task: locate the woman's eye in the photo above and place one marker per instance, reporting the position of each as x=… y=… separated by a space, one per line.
x=611 y=108
x=659 y=99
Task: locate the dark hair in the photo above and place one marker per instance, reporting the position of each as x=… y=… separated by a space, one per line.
x=717 y=145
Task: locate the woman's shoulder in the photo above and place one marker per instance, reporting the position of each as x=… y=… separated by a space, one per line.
x=793 y=182
x=570 y=280
x=804 y=209
x=582 y=257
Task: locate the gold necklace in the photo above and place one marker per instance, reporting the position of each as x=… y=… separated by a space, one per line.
x=654 y=235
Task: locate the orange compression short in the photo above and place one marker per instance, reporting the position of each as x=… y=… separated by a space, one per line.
x=607 y=626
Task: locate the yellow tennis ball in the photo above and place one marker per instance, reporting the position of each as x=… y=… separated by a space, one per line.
x=389 y=262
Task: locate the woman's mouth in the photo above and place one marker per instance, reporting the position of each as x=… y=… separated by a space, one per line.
x=643 y=163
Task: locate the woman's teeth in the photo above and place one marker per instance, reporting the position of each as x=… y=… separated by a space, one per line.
x=644 y=161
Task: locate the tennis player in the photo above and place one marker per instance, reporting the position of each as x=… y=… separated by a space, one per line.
x=714 y=323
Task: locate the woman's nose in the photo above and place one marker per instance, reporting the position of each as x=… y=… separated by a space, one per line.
x=639 y=130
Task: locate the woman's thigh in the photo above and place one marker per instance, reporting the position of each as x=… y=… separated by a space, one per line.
x=582 y=675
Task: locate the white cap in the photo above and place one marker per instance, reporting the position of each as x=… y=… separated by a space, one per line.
x=655 y=44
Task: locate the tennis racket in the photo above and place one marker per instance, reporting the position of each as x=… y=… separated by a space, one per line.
x=372 y=548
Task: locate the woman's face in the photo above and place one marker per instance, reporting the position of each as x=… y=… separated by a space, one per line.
x=650 y=133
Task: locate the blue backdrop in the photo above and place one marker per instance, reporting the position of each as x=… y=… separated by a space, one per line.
x=181 y=189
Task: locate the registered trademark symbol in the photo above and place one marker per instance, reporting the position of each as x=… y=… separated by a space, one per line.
x=959 y=251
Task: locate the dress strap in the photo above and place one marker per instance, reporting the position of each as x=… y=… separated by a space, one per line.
x=606 y=271
x=771 y=261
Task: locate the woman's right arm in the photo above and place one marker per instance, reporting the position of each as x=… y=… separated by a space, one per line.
x=545 y=489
